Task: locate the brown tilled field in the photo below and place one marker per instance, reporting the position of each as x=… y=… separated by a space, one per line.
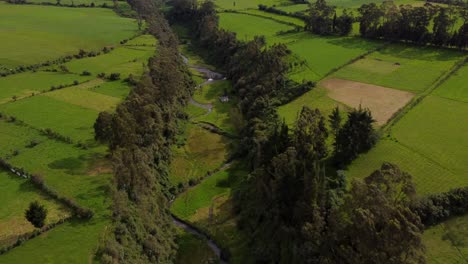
x=383 y=102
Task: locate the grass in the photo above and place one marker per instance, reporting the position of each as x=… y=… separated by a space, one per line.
x=17 y=193
x=210 y=93
x=223 y=116
x=117 y=89
x=241 y=24
x=447 y=242
x=317 y=98
x=15 y=137
x=143 y=40
x=85 y=98
x=294 y=8
x=123 y=60
x=429 y=142
x=402 y=67
x=323 y=54
x=287 y=19
x=39 y=33
x=246 y=4
x=24 y=84
x=193 y=250
x=203 y=152
x=455 y=87
x=45 y=112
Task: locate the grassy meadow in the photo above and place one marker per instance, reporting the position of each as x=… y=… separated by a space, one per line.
x=455 y=88
x=39 y=33
x=402 y=67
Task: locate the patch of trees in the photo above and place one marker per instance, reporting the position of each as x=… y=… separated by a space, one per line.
x=449 y=2
x=322 y=20
x=140 y=134
x=436 y=208
x=408 y=23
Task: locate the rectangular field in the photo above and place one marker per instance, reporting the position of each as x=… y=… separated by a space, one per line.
x=429 y=142
x=34 y=34
x=456 y=87
x=402 y=67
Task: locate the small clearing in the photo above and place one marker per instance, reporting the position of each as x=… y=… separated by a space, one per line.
x=382 y=102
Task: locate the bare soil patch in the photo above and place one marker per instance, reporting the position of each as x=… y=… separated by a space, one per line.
x=383 y=102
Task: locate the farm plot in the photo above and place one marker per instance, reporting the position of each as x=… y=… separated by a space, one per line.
x=247 y=4
x=39 y=33
x=382 y=102
x=317 y=98
x=323 y=54
x=124 y=60
x=279 y=18
x=117 y=89
x=25 y=84
x=46 y=112
x=456 y=87
x=429 y=142
x=241 y=24
x=401 y=67
x=85 y=98
x=17 y=193
x=202 y=152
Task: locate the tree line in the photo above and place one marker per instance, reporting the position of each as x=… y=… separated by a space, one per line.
x=422 y=25
x=140 y=134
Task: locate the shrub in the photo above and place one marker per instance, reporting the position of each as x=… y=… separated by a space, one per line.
x=85 y=73
x=36 y=214
x=114 y=76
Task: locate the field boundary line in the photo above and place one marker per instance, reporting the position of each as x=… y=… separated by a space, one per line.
x=419 y=98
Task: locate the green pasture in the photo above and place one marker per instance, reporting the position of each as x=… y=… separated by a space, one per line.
x=76 y=2
x=117 y=89
x=46 y=112
x=123 y=60
x=323 y=54
x=447 y=242
x=17 y=193
x=39 y=33
x=24 y=84
x=85 y=98
x=456 y=87
x=317 y=98
x=143 y=40
x=402 y=67
x=429 y=142
x=287 y=19
x=247 y=4
x=211 y=92
x=202 y=152
x=294 y=8
x=247 y=26
x=16 y=137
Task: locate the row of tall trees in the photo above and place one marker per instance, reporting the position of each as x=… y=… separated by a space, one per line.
x=293 y=209
x=140 y=134
x=408 y=23
x=322 y=20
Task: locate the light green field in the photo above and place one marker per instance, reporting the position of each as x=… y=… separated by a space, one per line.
x=17 y=193
x=143 y=40
x=75 y=2
x=24 y=84
x=203 y=152
x=15 y=137
x=123 y=60
x=447 y=242
x=456 y=87
x=118 y=89
x=45 y=112
x=402 y=67
x=247 y=4
x=242 y=25
x=210 y=93
x=323 y=54
x=294 y=8
x=287 y=19
x=85 y=98
x=429 y=142
x=40 y=33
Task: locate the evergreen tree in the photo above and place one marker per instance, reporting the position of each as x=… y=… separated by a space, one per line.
x=356 y=136
x=335 y=120
x=36 y=214
x=442 y=25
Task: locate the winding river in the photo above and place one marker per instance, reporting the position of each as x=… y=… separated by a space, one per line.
x=211 y=76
